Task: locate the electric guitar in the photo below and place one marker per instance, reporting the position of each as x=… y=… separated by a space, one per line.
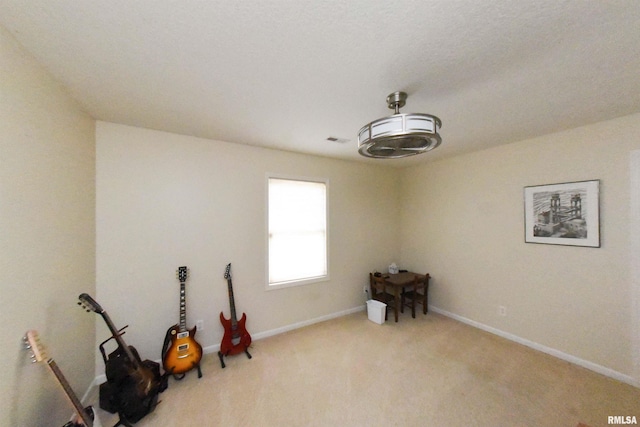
x=85 y=416
x=236 y=339
x=184 y=352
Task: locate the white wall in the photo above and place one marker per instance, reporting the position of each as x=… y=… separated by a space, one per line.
x=634 y=243
x=166 y=200
x=47 y=230
x=462 y=221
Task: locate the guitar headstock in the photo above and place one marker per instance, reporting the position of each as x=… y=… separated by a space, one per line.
x=182 y=273
x=32 y=342
x=227 y=272
x=89 y=304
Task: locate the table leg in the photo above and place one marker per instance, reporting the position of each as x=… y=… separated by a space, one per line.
x=397 y=301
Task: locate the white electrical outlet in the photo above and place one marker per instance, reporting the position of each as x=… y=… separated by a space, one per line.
x=502 y=310
x=200 y=325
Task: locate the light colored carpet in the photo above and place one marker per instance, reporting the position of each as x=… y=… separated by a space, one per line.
x=428 y=371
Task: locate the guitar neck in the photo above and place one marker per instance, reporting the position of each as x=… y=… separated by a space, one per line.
x=86 y=420
x=118 y=337
x=232 y=303
x=183 y=308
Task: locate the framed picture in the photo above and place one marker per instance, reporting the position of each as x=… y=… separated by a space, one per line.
x=563 y=214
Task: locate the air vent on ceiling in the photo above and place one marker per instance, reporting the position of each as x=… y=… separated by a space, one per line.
x=336 y=139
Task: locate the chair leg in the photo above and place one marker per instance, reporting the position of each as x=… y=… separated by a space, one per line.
x=402 y=302
x=413 y=306
x=425 y=303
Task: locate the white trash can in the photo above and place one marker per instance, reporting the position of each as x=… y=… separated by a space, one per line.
x=376 y=311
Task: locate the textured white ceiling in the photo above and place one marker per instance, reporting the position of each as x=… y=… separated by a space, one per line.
x=288 y=74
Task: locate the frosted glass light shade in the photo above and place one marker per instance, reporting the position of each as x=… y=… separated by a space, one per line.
x=399 y=135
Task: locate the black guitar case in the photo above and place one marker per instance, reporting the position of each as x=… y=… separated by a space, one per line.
x=119 y=393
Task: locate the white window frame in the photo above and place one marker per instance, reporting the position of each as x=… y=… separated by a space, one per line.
x=304 y=281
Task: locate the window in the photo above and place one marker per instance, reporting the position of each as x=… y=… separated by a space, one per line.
x=297 y=232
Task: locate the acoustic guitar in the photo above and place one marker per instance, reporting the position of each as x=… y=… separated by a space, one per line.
x=83 y=416
x=132 y=385
x=182 y=352
x=236 y=339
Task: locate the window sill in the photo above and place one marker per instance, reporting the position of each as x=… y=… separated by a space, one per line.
x=293 y=283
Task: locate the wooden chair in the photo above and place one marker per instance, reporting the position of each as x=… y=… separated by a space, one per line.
x=416 y=294
x=379 y=292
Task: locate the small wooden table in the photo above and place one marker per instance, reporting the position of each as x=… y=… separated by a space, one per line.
x=399 y=281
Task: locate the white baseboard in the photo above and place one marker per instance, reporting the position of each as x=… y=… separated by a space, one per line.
x=96 y=382
x=282 y=330
x=552 y=351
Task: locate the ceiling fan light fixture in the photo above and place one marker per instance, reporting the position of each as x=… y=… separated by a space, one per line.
x=399 y=135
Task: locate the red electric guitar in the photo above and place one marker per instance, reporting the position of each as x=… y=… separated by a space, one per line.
x=236 y=339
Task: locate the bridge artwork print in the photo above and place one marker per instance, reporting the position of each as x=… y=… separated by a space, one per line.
x=563 y=214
